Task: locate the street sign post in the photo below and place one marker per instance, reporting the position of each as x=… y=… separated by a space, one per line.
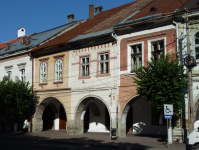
x=168 y=112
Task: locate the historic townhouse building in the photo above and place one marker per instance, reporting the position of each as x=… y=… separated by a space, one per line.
x=15 y=60
x=87 y=90
x=148 y=32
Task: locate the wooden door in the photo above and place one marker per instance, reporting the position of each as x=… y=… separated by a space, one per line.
x=86 y=120
x=62 y=118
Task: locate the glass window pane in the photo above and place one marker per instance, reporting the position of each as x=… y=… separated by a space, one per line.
x=197 y=52
x=154 y=46
x=139 y=61
x=106 y=56
x=106 y=67
x=197 y=38
x=133 y=49
x=87 y=70
x=83 y=70
x=139 y=49
x=83 y=60
x=133 y=63
x=87 y=60
x=161 y=46
x=101 y=68
x=101 y=57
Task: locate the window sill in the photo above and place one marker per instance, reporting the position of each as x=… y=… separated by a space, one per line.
x=130 y=74
x=43 y=83
x=103 y=75
x=57 y=82
x=86 y=77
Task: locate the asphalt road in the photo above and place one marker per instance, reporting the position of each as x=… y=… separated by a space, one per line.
x=18 y=144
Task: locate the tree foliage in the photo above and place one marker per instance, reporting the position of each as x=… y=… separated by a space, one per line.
x=162 y=82
x=15 y=96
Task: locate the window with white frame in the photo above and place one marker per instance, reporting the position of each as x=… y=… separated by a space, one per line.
x=84 y=66
x=136 y=57
x=9 y=73
x=43 y=72
x=58 y=70
x=196 y=45
x=157 y=48
x=103 y=63
x=22 y=74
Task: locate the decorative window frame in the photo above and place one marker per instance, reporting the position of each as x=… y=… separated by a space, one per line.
x=21 y=67
x=80 y=70
x=194 y=45
x=154 y=40
x=8 y=69
x=42 y=61
x=98 y=71
x=129 y=54
x=57 y=57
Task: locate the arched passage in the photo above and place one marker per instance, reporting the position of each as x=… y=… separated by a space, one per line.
x=139 y=117
x=92 y=115
x=47 y=115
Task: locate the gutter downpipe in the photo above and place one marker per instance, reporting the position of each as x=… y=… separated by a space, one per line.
x=115 y=37
x=32 y=92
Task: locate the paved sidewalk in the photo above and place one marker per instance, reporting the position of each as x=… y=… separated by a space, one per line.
x=97 y=139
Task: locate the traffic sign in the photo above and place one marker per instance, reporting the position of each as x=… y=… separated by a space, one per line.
x=167 y=116
x=168 y=109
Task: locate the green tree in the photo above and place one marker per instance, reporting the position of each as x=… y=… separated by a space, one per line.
x=15 y=96
x=162 y=82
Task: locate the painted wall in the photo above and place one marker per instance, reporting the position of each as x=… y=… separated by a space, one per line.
x=15 y=69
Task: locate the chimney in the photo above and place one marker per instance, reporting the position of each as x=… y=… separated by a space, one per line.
x=70 y=18
x=98 y=10
x=21 y=32
x=91 y=11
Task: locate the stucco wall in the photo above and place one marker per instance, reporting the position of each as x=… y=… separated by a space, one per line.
x=15 y=69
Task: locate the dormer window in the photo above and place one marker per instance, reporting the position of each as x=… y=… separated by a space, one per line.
x=153 y=9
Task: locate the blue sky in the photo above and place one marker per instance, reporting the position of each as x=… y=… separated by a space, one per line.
x=40 y=15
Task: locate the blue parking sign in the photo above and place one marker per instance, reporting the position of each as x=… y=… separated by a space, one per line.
x=167 y=116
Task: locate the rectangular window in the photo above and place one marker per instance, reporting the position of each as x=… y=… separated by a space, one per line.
x=84 y=66
x=103 y=63
x=22 y=71
x=157 y=48
x=136 y=57
x=158 y=117
x=9 y=73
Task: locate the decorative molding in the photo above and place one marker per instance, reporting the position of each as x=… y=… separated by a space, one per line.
x=149 y=36
x=44 y=59
x=8 y=66
x=86 y=77
x=21 y=64
x=57 y=82
x=62 y=55
x=48 y=90
x=75 y=63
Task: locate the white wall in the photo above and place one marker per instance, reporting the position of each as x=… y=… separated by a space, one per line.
x=15 y=69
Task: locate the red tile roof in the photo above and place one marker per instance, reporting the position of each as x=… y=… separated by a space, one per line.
x=3 y=45
x=162 y=6
x=119 y=17
x=80 y=29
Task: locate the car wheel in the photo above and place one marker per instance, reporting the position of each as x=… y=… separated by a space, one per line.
x=196 y=147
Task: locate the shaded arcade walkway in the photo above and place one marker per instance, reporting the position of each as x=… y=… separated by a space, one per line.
x=98 y=139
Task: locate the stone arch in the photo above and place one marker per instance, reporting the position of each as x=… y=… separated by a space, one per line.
x=123 y=115
x=37 y=119
x=87 y=101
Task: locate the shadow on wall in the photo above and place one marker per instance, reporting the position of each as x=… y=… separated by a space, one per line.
x=139 y=128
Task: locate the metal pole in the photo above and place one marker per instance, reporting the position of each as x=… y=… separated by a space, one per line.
x=189 y=75
x=167 y=134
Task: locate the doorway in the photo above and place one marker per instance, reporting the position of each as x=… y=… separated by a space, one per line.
x=48 y=118
x=86 y=120
x=62 y=118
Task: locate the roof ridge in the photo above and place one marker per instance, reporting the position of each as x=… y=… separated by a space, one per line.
x=128 y=4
